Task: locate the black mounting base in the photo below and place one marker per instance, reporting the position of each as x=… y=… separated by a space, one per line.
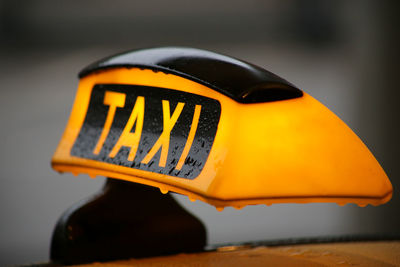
x=125 y=220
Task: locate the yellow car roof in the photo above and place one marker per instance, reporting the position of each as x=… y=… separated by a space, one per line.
x=216 y=129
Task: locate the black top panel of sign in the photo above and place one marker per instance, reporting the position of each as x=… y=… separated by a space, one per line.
x=237 y=79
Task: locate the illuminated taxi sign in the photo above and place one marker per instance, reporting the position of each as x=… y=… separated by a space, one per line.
x=148 y=128
x=216 y=129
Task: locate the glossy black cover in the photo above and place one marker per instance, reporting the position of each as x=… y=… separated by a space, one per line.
x=241 y=81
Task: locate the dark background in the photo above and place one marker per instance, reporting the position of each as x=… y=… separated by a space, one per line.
x=344 y=53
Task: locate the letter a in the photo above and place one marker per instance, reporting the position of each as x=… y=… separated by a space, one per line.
x=163 y=140
x=113 y=100
x=127 y=138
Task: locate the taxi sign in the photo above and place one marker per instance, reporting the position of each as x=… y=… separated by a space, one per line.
x=215 y=129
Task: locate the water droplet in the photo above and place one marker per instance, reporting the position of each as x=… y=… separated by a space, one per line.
x=163 y=190
x=219 y=208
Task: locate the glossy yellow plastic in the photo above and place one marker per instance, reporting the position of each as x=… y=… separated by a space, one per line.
x=289 y=151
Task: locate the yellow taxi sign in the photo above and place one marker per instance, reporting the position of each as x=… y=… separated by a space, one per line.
x=250 y=138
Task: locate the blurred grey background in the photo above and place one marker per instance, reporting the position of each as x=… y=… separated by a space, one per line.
x=344 y=53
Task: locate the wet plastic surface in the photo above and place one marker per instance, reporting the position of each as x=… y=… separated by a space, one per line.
x=242 y=81
x=288 y=151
